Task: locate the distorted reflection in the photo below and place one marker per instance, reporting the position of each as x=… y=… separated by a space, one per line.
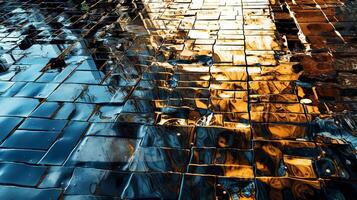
x=178 y=99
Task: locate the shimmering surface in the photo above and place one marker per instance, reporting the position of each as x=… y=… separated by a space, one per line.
x=178 y=99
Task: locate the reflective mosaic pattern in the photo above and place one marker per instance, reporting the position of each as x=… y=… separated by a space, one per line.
x=178 y=99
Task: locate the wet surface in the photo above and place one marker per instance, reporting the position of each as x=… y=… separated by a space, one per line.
x=178 y=99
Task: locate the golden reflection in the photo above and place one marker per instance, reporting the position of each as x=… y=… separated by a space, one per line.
x=299 y=167
x=286 y=131
x=239 y=171
x=254 y=79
